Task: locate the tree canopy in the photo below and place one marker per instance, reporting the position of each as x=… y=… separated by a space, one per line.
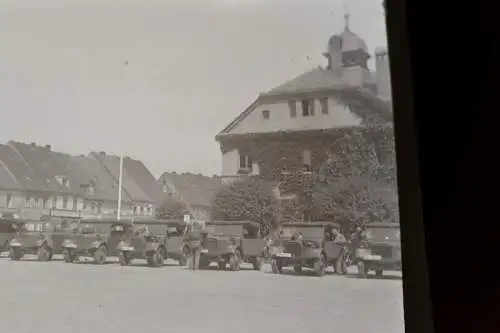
x=249 y=199
x=172 y=209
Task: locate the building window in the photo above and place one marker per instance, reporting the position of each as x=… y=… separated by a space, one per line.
x=245 y=160
x=45 y=203
x=75 y=204
x=142 y=210
x=9 y=201
x=65 y=203
x=308 y=107
x=292 y=105
x=324 y=105
x=266 y=114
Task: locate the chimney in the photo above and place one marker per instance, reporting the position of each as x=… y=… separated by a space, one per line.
x=103 y=153
x=383 y=74
x=334 y=56
x=49 y=147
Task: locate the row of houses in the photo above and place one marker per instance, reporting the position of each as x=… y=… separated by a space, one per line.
x=36 y=182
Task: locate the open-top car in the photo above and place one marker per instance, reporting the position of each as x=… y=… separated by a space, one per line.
x=175 y=231
x=232 y=242
x=10 y=224
x=379 y=249
x=146 y=241
x=309 y=245
x=96 y=238
x=43 y=238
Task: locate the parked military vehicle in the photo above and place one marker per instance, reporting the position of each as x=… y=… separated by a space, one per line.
x=147 y=240
x=232 y=242
x=379 y=250
x=43 y=238
x=309 y=245
x=97 y=238
x=174 y=244
x=10 y=225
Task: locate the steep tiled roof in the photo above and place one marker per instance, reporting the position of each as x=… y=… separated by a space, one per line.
x=23 y=173
x=362 y=102
x=315 y=79
x=112 y=164
x=91 y=170
x=144 y=178
x=38 y=158
x=196 y=190
x=7 y=180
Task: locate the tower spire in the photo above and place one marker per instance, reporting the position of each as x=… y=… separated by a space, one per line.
x=346 y=17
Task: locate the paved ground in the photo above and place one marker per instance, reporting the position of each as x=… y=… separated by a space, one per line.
x=58 y=297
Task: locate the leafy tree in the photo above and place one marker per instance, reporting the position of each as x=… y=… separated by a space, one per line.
x=172 y=209
x=249 y=199
x=357 y=182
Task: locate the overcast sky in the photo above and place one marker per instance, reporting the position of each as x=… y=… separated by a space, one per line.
x=193 y=66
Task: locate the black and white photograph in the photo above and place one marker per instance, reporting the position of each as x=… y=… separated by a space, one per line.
x=198 y=166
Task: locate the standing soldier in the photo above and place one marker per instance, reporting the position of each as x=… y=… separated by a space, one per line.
x=193 y=237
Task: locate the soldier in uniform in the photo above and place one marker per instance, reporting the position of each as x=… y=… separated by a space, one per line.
x=194 y=237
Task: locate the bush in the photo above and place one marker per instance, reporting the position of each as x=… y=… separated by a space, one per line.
x=172 y=209
x=249 y=199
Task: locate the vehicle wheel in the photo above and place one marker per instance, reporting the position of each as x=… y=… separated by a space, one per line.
x=341 y=263
x=44 y=253
x=379 y=272
x=204 y=263
x=68 y=256
x=234 y=261
x=297 y=268
x=158 y=258
x=124 y=259
x=100 y=255
x=15 y=254
x=257 y=264
x=362 y=271
x=221 y=265
x=183 y=261
x=320 y=266
x=276 y=266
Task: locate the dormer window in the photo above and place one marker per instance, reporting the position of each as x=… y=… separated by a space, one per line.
x=91 y=190
x=63 y=181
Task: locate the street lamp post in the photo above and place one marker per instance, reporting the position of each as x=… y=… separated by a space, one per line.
x=120 y=186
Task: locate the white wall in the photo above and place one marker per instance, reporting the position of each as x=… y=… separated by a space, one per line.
x=339 y=116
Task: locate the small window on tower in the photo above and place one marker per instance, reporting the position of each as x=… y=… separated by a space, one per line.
x=293 y=108
x=324 y=105
x=265 y=114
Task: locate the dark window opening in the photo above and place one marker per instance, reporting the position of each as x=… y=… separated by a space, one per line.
x=308 y=108
x=265 y=114
x=293 y=108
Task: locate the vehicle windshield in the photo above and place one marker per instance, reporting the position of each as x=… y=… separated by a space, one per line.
x=220 y=229
x=382 y=234
x=307 y=232
x=117 y=228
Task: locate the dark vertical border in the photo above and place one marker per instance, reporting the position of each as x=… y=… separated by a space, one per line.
x=417 y=302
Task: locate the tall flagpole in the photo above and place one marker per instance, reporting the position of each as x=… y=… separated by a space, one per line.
x=120 y=185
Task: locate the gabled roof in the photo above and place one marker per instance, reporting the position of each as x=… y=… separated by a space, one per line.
x=7 y=180
x=23 y=172
x=362 y=102
x=91 y=171
x=196 y=190
x=315 y=79
x=142 y=176
x=112 y=164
